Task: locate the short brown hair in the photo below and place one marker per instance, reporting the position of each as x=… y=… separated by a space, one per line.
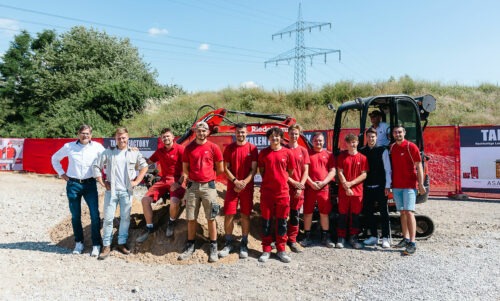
x=274 y=130
x=121 y=130
x=166 y=130
x=295 y=127
x=371 y=131
x=351 y=137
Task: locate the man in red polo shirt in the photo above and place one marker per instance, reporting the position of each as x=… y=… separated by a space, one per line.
x=201 y=163
x=240 y=166
x=321 y=172
x=297 y=184
x=352 y=167
x=276 y=164
x=170 y=159
x=407 y=175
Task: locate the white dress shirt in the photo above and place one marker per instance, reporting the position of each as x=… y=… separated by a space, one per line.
x=80 y=159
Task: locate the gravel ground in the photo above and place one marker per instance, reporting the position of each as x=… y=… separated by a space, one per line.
x=459 y=262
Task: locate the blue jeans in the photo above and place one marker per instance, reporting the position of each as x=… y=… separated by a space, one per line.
x=405 y=199
x=125 y=200
x=88 y=190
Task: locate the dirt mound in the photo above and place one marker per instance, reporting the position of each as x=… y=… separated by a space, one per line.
x=158 y=248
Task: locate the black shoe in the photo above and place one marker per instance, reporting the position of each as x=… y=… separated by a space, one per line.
x=355 y=243
x=228 y=247
x=410 y=249
x=327 y=242
x=144 y=236
x=307 y=241
x=403 y=243
x=170 y=228
x=188 y=252
x=243 y=250
x=213 y=256
x=294 y=247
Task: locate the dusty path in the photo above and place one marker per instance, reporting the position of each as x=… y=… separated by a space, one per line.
x=460 y=262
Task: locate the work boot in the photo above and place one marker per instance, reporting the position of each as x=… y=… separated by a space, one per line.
x=283 y=256
x=340 y=243
x=307 y=241
x=372 y=240
x=104 y=253
x=243 y=250
x=403 y=243
x=188 y=251
x=213 y=256
x=228 y=247
x=355 y=243
x=294 y=247
x=170 y=228
x=265 y=256
x=144 y=235
x=123 y=249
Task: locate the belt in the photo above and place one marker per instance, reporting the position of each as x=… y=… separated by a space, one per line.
x=89 y=180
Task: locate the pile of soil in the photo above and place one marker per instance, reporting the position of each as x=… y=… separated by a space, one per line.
x=158 y=248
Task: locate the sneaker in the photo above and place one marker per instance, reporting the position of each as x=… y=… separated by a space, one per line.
x=385 y=243
x=264 y=257
x=144 y=235
x=105 y=253
x=355 y=243
x=283 y=256
x=294 y=247
x=307 y=241
x=95 y=251
x=327 y=242
x=403 y=243
x=213 y=257
x=371 y=241
x=410 y=249
x=340 y=243
x=243 y=250
x=228 y=247
x=187 y=253
x=78 y=248
x=170 y=228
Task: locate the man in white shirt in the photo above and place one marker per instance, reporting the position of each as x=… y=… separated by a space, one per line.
x=381 y=127
x=121 y=165
x=80 y=182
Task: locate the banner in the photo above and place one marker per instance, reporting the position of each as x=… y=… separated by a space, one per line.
x=147 y=146
x=480 y=159
x=11 y=153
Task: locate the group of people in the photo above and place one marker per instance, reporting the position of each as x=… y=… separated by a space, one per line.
x=293 y=178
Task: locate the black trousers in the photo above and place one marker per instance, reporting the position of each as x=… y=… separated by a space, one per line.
x=371 y=197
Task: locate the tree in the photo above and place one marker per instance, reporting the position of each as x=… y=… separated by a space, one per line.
x=81 y=76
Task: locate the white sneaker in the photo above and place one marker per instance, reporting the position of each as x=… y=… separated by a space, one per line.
x=78 y=248
x=385 y=243
x=96 y=250
x=371 y=241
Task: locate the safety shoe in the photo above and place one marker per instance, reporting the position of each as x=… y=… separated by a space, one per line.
x=294 y=247
x=95 y=251
x=327 y=242
x=385 y=243
x=264 y=257
x=213 y=257
x=340 y=243
x=371 y=241
x=228 y=247
x=403 y=243
x=283 y=256
x=78 y=248
x=355 y=243
x=105 y=253
x=187 y=253
x=243 y=250
x=410 y=249
x=144 y=235
x=170 y=228
x=123 y=249
x=307 y=241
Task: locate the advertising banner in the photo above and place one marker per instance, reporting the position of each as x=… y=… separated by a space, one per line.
x=480 y=159
x=11 y=154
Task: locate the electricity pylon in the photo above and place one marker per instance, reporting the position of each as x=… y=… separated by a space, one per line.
x=300 y=52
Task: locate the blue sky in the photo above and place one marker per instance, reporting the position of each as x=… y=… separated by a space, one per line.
x=205 y=45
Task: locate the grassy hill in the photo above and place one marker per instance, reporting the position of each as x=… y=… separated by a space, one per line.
x=456 y=104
